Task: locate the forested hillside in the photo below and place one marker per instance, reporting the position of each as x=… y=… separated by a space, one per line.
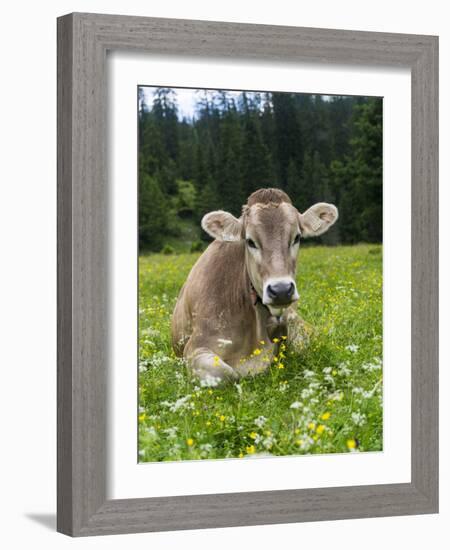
x=316 y=148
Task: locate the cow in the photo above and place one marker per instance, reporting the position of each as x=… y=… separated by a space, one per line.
x=238 y=303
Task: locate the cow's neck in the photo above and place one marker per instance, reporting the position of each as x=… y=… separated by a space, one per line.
x=268 y=326
x=264 y=318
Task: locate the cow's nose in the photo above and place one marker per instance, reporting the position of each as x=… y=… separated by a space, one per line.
x=281 y=291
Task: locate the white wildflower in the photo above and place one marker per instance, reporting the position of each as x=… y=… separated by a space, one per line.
x=352 y=348
x=308 y=373
x=336 y=396
x=205 y=449
x=260 y=421
x=306 y=393
x=258 y=438
x=171 y=432
x=150 y=332
x=151 y=431
x=268 y=442
x=296 y=405
x=358 y=418
x=175 y=449
x=344 y=369
x=304 y=442
x=142 y=366
x=158 y=359
x=210 y=381
x=179 y=404
x=371 y=393
x=375 y=365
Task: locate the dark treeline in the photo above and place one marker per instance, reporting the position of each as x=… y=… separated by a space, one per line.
x=315 y=148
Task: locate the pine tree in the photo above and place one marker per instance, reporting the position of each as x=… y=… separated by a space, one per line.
x=257 y=169
x=165 y=112
x=288 y=136
x=293 y=185
x=153 y=217
x=358 y=179
x=317 y=148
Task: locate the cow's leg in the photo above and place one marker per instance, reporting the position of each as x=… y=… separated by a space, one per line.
x=298 y=331
x=181 y=328
x=209 y=367
x=256 y=364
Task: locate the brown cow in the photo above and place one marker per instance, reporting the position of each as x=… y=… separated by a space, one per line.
x=240 y=295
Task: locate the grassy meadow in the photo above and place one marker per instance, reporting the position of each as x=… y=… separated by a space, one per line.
x=327 y=399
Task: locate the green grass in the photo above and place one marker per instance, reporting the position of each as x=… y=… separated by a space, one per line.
x=328 y=399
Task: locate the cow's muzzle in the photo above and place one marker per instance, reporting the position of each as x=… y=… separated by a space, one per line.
x=280 y=292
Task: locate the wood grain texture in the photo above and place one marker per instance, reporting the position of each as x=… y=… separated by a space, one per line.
x=83 y=41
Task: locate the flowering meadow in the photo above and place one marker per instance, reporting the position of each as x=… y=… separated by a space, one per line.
x=326 y=399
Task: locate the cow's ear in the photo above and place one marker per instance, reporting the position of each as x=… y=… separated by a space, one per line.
x=222 y=226
x=318 y=219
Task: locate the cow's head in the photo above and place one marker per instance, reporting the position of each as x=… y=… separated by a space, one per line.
x=271 y=228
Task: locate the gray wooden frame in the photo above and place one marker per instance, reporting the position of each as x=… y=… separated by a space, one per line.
x=83 y=41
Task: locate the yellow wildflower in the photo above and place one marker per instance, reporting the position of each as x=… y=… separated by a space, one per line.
x=351 y=443
x=253 y=435
x=190 y=441
x=311 y=426
x=284 y=337
x=208 y=423
x=216 y=361
x=275 y=340
x=297 y=431
x=222 y=418
x=142 y=417
x=320 y=428
x=299 y=442
x=256 y=351
x=250 y=449
x=262 y=342
x=241 y=454
x=280 y=366
x=325 y=416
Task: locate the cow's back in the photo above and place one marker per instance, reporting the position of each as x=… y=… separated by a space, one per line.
x=215 y=294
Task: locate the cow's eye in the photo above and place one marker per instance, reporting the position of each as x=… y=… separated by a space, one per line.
x=296 y=240
x=251 y=243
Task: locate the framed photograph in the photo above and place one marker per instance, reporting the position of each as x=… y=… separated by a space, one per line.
x=247 y=274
